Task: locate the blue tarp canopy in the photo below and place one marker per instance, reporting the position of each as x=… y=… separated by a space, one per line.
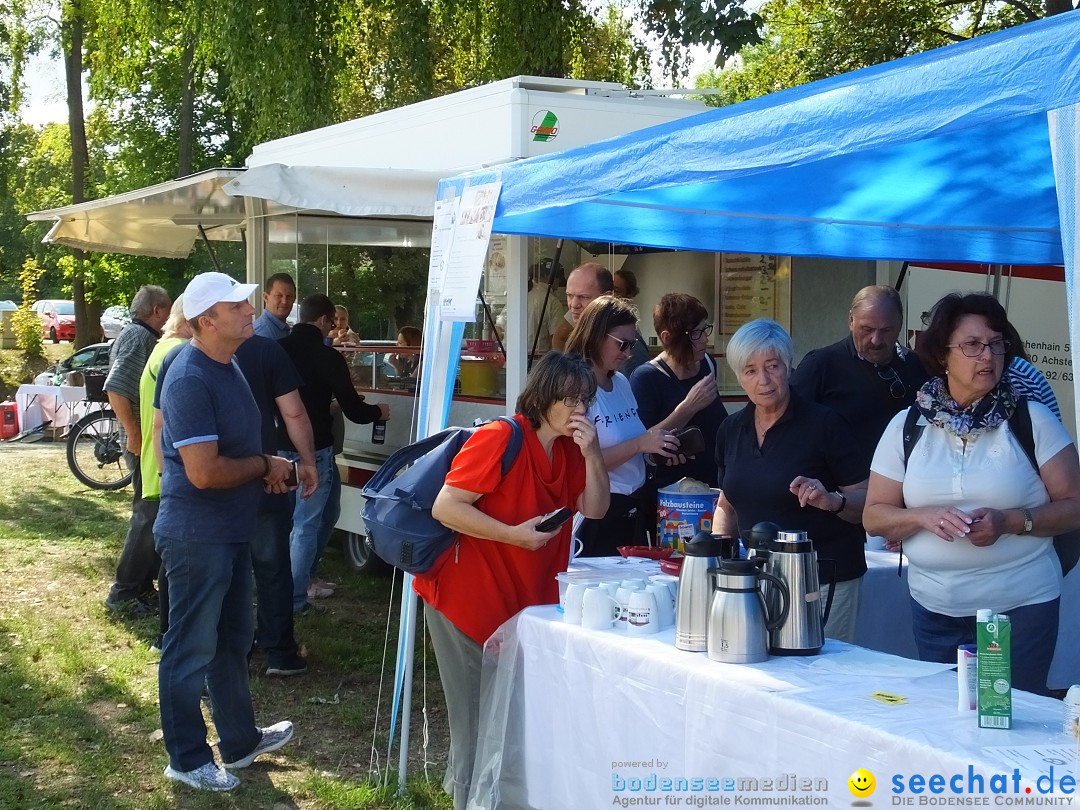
x=945 y=155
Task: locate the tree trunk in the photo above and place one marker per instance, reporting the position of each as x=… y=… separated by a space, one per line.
x=87 y=321
x=187 y=110
x=1058 y=6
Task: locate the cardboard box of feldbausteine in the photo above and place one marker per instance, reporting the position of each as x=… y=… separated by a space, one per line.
x=994 y=655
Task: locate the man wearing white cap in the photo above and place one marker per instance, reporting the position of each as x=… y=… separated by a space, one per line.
x=213 y=476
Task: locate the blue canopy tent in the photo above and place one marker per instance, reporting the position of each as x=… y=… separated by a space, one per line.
x=965 y=153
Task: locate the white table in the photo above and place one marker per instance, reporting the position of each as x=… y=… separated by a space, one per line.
x=568 y=712
x=48 y=404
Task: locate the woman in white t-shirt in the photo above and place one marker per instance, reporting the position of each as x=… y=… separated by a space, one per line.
x=976 y=520
x=604 y=335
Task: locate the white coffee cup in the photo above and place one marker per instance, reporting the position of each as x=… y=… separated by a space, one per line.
x=611 y=587
x=642 y=614
x=575 y=592
x=623 y=597
x=665 y=604
x=598 y=610
x=633 y=584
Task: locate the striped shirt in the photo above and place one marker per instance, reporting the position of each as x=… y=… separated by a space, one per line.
x=127 y=359
x=1030 y=383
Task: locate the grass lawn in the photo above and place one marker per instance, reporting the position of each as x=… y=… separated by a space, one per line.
x=79 y=723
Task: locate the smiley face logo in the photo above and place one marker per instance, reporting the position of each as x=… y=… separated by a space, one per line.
x=861 y=783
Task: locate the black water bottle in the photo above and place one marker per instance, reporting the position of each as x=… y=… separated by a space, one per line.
x=378 y=431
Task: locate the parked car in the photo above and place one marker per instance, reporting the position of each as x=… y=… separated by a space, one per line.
x=8 y=306
x=89 y=359
x=57 y=319
x=113 y=321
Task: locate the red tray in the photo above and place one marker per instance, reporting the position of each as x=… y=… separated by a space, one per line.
x=672 y=566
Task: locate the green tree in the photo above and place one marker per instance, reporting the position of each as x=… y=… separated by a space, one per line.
x=806 y=40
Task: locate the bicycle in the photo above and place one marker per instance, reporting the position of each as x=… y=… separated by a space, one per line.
x=95 y=444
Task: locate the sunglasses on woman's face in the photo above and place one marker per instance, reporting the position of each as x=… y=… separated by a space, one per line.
x=624 y=345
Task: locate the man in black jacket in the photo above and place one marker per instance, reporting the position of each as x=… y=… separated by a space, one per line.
x=325 y=377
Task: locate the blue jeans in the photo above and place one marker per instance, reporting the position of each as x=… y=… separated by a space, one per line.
x=331 y=513
x=1034 y=636
x=307 y=521
x=273 y=583
x=209 y=636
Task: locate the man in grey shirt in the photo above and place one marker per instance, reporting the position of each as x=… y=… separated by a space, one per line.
x=132 y=591
x=279 y=295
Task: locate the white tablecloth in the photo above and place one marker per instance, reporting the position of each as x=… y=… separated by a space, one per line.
x=570 y=714
x=884 y=621
x=48 y=404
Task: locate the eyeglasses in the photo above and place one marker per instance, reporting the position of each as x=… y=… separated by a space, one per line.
x=698 y=334
x=573 y=402
x=974 y=348
x=896 y=386
x=624 y=345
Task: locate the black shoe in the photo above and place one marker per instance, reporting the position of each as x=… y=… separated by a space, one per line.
x=131 y=607
x=295 y=665
x=308 y=609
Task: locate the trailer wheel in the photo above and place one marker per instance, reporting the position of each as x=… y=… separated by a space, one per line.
x=361 y=557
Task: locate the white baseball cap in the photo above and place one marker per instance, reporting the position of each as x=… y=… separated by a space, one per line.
x=207 y=289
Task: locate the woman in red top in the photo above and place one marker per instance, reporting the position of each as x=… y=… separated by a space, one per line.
x=501 y=564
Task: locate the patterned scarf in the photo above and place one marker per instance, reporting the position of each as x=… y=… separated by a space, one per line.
x=986 y=413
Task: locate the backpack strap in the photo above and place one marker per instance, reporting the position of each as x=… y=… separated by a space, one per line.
x=1020 y=425
x=513 y=447
x=912 y=431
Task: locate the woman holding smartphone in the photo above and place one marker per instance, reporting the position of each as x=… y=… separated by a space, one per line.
x=502 y=562
x=604 y=335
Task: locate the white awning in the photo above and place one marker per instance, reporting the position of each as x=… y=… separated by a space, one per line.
x=161 y=220
x=354 y=192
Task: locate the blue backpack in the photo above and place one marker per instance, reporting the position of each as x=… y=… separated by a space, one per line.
x=399 y=497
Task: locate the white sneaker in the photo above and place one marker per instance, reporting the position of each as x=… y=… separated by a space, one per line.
x=273 y=737
x=209 y=777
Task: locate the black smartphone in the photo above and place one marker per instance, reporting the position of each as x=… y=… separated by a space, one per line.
x=293 y=478
x=553 y=520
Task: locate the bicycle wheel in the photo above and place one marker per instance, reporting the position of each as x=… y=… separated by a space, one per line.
x=95 y=453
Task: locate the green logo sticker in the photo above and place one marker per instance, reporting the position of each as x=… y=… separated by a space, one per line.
x=545 y=126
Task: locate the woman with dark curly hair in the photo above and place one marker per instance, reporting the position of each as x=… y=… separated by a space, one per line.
x=976 y=520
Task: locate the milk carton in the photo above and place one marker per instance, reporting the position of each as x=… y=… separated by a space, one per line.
x=993 y=636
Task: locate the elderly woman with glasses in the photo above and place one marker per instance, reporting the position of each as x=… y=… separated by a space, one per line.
x=793 y=462
x=604 y=335
x=501 y=563
x=975 y=517
x=677 y=388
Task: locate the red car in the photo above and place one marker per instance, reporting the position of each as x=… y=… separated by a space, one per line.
x=57 y=319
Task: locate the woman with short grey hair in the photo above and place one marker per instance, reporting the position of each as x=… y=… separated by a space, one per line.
x=764 y=337
x=793 y=462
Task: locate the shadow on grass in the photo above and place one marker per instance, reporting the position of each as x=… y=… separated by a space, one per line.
x=73 y=735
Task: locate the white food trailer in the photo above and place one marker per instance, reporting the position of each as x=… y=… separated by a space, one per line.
x=373 y=181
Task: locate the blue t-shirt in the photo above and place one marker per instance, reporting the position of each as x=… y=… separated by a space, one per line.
x=202 y=400
x=270 y=373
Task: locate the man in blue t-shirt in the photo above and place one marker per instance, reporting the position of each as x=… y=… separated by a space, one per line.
x=214 y=474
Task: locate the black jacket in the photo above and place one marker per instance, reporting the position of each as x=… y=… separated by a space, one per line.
x=326 y=376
